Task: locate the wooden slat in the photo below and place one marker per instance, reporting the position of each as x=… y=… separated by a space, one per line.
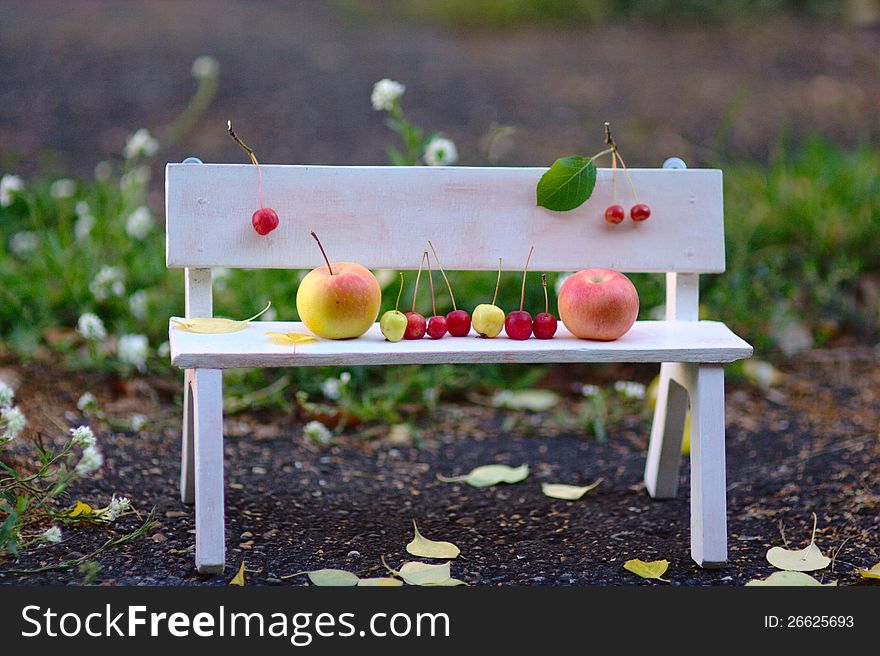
x=648 y=341
x=384 y=216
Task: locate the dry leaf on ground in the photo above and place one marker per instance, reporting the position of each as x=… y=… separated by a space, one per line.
x=238 y=579
x=789 y=579
x=802 y=560
x=653 y=569
x=567 y=492
x=488 y=475
x=425 y=548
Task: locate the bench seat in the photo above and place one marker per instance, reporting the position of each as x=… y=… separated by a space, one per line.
x=647 y=341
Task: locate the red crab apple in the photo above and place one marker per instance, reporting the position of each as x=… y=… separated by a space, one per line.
x=338 y=301
x=600 y=304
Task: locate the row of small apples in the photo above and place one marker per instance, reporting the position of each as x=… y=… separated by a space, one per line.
x=342 y=301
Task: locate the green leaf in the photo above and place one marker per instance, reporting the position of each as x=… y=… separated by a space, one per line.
x=567 y=492
x=567 y=184
x=653 y=569
x=789 y=579
x=489 y=475
x=425 y=548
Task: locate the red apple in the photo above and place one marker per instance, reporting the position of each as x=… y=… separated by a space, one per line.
x=599 y=304
x=340 y=304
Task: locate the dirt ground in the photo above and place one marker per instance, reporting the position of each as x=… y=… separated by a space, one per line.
x=807 y=446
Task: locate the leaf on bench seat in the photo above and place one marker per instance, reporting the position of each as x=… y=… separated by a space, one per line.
x=216 y=325
x=292 y=338
x=488 y=475
x=567 y=492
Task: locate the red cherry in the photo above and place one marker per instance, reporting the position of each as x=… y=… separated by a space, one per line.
x=265 y=220
x=615 y=214
x=518 y=325
x=436 y=326
x=415 y=326
x=458 y=322
x=639 y=212
x=544 y=326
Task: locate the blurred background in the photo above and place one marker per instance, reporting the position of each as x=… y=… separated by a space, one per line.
x=96 y=96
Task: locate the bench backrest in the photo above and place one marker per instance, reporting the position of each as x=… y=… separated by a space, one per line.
x=383 y=217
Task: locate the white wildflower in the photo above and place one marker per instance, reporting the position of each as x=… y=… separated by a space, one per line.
x=205 y=67
x=10 y=186
x=107 y=282
x=87 y=403
x=7 y=395
x=440 y=151
x=82 y=436
x=317 y=432
x=82 y=208
x=590 y=391
x=51 y=535
x=385 y=94
x=12 y=422
x=137 y=304
x=91 y=461
x=132 y=350
x=630 y=389
x=345 y=377
x=137 y=422
x=141 y=143
x=139 y=223
x=103 y=171
x=82 y=228
x=24 y=243
x=117 y=506
x=164 y=349
x=330 y=389
x=90 y=326
x=62 y=188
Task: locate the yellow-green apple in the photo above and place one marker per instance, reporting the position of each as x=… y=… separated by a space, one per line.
x=338 y=301
x=600 y=304
x=488 y=318
x=393 y=323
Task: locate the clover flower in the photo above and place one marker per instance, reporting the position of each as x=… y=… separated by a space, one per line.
x=590 y=391
x=12 y=422
x=82 y=228
x=317 y=433
x=385 y=94
x=630 y=389
x=24 y=243
x=10 y=186
x=139 y=223
x=440 y=151
x=141 y=143
x=330 y=389
x=62 y=188
x=90 y=326
x=118 y=505
x=137 y=422
x=132 y=350
x=7 y=396
x=82 y=436
x=91 y=461
x=87 y=402
x=107 y=282
x=205 y=67
x=137 y=304
x=51 y=535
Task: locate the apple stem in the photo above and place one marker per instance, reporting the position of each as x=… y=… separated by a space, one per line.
x=322 y=252
x=418 y=276
x=431 y=282
x=546 y=300
x=522 y=294
x=443 y=273
x=252 y=156
x=399 y=292
x=497 y=282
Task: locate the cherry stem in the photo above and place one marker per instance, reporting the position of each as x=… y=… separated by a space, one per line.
x=628 y=179
x=399 y=292
x=418 y=276
x=443 y=273
x=546 y=300
x=322 y=252
x=252 y=156
x=497 y=282
x=614 y=178
x=431 y=282
x=615 y=154
x=522 y=294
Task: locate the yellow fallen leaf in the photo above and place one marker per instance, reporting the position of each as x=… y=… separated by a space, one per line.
x=416 y=573
x=488 y=475
x=292 y=338
x=802 y=560
x=238 y=579
x=567 y=492
x=425 y=548
x=653 y=569
x=216 y=325
x=789 y=579
x=380 y=582
x=448 y=583
x=872 y=573
x=328 y=577
x=81 y=509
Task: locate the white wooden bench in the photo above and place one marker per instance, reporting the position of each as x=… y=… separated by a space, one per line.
x=382 y=217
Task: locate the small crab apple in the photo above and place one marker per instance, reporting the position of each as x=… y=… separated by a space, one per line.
x=489 y=318
x=437 y=323
x=416 y=326
x=265 y=219
x=545 y=324
x=615 y=214
x=393 y=323
x=518 y=324
x=458 y=322
x=639 y=212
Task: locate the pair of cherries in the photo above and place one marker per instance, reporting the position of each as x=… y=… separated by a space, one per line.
x=638 y=212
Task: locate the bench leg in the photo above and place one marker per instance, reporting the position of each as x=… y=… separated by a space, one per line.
x=708 y=475
x=207 y=391
x=667 y=430
x=187 y=449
